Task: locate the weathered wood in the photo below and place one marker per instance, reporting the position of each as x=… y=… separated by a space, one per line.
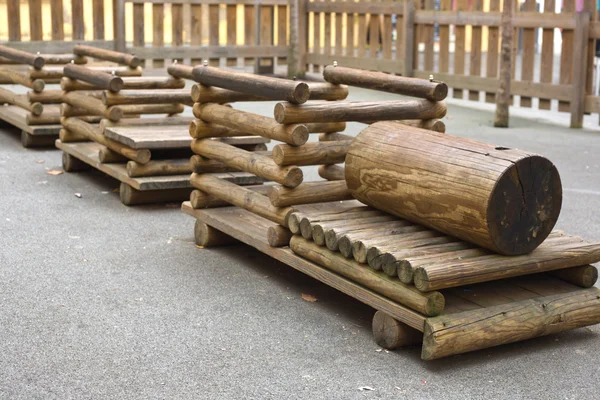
x=28 y=140
x=290 y=176
x=241 y=197
x=509 y=199
x=35 y=60
x=67 y=136
x=21 y=78
x=213 y=94
x=202 y=130
x=207 y=236
x=131 y=196
x=332 y=172
x=334 y=136
x=503 y=99
x=272 y=88
x=159 y=168
x=108 y=156
x=379 y=283
x=54 y=74
x=279 y=236
x=430 y=124
x=139 y=109
x=150 y=96
x=67 y=110
x=149 y=122
x=129 y=82
x=73 y=164
x=392 y=334
x=307 y=221
x=45 y=97
x=547 y=54
x=327 y=91
x=431 y=90
x=341 y=238
x=308 y=193
x=293 y=134
x=200 y=199
x=406 y=266
x=327 y=128
x=90 y=104
x=180 y=71
x=108 y=55
x=311 y=153
x=99 y=79
x=358 y=111
x=487 y=327
x=370 y=250
x=319 y=229
x=9 y=97
x=584 y=275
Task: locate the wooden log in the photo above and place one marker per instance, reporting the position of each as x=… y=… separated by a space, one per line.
x=502 y=199
x=92 y=105
x=295 y=135
x=278 y=236
x=67 y=136
x=54 y=119
x=311 y=153
x=200 y=199
x=272 y=88
x=392 y=334
x=370 y=251
x=415 y=87
x=446 y=335
x=327 y=91
x=67 y=110
x=108 y=55
x=108 y=156
x=207 y=236
x=149 y=96
x=328 y=128
x=309 y=193
x=332 y=172
x=50 y=59
x=407 y=265
x=358 y=111
x=256 y=164
x=430 y=124
x=240 y=197
x=212 y=94
x=141 y=122
x=584 y=275
x=202 y=165
x=202 y=130
x=23 y=57
x=9 y=97
x=129 y=83
x=159 y=168
x=319 y=228
x=553 y=255
x=180 y=71
x=334 y=136
x=20 y=78
x=340 y=238
x=140 y=109
x=55 y=74
x=29 y=141
x=77 y=126
x=99 y=80
x=307 y=221
x=45 y=97
x=131 y=197
x=377 y=282
x=73 y=164
x=503 y=97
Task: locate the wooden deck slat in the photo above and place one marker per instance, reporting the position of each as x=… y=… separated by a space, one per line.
x=15 y=116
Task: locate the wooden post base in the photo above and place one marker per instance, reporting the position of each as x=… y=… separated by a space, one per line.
x=28 y=140
x=207 y=236
x=131 y=197
x=392 y=334
x=73 y=164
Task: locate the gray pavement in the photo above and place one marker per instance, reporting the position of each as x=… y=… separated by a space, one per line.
x=98 y=300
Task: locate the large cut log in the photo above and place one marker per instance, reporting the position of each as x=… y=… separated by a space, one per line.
x=358 y=111
x=35 y=60
x=272 y=88
x=100 y=80
x=503 y=199
x=108 y=55
x=415 y=87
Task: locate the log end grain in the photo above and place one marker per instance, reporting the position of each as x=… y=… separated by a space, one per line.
x=278 y=236
x=305 y=228
x=300 y=94
x=114 y=113
x=299 y=135
x=293 y=222
x=421 y=280
x=279 y=112
x=37 y=108
x=293 y=177
x=115 y=84
x=584 y=276
x=524 y=206
x=440 y=92
x=345 y=246
x=38 y=85
x=392 y=334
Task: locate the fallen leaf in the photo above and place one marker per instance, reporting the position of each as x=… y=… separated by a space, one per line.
x=308 y=297
x=55 y=172
x=363 y=388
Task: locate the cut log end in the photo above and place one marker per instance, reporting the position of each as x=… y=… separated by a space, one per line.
x=524 y=206
x=301 y=93
x=345 y=246
x=392 y=334
x=114 y=113
x=440 y=92
x=38 y=62
x=293 y=223
x=37 y=109
x=299 y=135
x=115 y=84
x=38 y=85
x=305 y=228
x=406 y=272
x=278 y=236
x=421 y=280
x=389 y=268
x=279 y=112
x=293 y=177
x=584 y=276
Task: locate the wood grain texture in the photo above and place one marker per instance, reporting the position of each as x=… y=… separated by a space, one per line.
x=311 y=153
x=309 y=193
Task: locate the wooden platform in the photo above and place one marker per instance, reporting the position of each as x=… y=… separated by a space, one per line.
x=15 y=116
x=166 y=137
x=475 y=316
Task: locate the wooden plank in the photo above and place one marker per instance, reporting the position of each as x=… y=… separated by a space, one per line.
x=327 y=32
x=231 y=18
x=213 y=30
x=158 y=33
x=579 y=62
x=16 y=116
x=408 y=38
x=251 y=229
x=88 y=153
x=213 y=52
x=362 y=35
x=77 y=20
x=266 y=65
x=528 y=53
x=138 y=25
x=547 y=55
x=429 y=39
x=56 y=15
x=339 y=45
x=374 y=36
x=13 y=8
x=224 y=2
x=350 y=22
x=484 y=18
x=177 y=26
x=386 y=41
x=391 y=66
x=196 y=30
x=35 y=20
x=249 y=30
x=459 y=50
x=475 y=66
x=282 y=30
x=493 y=51
x=98 y=19
x=384 y=7
x=444 y=55
x=317 y=39
x=566 y=61
x=58 y=46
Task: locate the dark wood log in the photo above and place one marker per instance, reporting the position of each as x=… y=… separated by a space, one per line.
x=584 y=275
x=108 y=55
x=129 y=82
x=334 y=136
x=272 y=88
x=241 y=197
x=256 y=164
x=319 y=228
x=180 y=71
x=332 y=172
x=147 y=96
x=30 y=141
x=50 y=59
x=20 y=78
x=309 y=193
x=131 y=197
x=23 y=57
x=307 y=221
x=99 y=80
x=207 y=236
x=370 y=250
x=378 y=282
x=327 y=91
x=392 y=334
x=358 y=111
x=415 y=87
x=295 y=135
x=212 y=94
x=328 y=128
x=339 y=238
x=90 y=104
x=407 y=265
x=311 y=153
x=502 y=199
x=54 y=74
x=278 y=236
x=140 y=109
x=159 y=168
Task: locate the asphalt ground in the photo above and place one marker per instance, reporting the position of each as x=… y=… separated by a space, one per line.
x=103 y=301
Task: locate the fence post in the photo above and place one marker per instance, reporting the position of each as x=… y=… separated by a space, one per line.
x=580 y=53
x=409 y=37
x=119 y=24
x=298 y=35
x=506 y=54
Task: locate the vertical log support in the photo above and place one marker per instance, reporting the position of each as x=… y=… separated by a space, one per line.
x=506 y=54
x=579 y=61
x=119 y=25
x=409 y=37
x=298 y=38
